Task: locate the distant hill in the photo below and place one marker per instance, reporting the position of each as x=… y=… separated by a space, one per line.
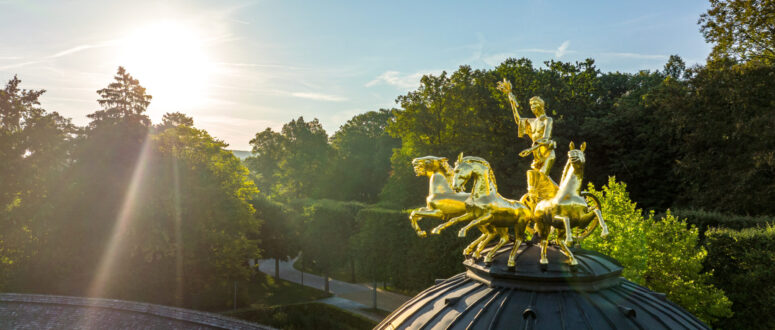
x=241 y=154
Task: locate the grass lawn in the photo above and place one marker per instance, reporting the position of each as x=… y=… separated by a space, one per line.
x=265 y=290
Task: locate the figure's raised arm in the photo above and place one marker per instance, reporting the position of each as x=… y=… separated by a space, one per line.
x=505 y=87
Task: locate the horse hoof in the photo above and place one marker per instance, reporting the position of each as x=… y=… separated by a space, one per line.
x=604 y=234
x=461 y=233
x=568 y=242
x=422 y=233
x=436 y=231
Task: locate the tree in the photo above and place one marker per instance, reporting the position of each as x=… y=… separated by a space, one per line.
x=34 y=147
x=661 y=254
x=171 y=119
x=294 y=162
x=123 y=99
x=362 y=163
x=279 y=234
x=740 y=29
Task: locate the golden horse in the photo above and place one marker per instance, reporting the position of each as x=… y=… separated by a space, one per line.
x=442 y=202
x=568 y=209
x=488 y=208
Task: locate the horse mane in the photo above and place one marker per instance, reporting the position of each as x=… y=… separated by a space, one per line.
x=481 y=161
x=446 y=169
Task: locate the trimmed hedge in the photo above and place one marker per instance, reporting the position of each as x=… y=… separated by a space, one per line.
x=388 y=249
x=743 y=263
x=304 y=316
x=705 y=220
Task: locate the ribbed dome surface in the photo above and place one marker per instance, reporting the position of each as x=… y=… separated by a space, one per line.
x=589 y=296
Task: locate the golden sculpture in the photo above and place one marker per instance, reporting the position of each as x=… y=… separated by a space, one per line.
x=546 y=204
x=568 y=209
x=442 y=202
x=487 y=207
x=539 y=185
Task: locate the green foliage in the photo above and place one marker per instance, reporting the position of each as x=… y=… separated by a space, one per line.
x=280 y=228
x=705 y=220
x=387 y=249
x=362 y=161
x=328 y=227
x=744 y=266
x=661 y=254
x=123 y=100
x=34 y=145
x=740 y=29
x=293 y=163
x=305 y=316
x=726 y=159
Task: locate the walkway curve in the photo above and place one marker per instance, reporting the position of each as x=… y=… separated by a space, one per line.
x=350 y=296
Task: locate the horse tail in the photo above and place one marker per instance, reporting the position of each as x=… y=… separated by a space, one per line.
x=591 y=227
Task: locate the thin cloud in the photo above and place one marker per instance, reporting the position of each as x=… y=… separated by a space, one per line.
x=80 y=48
x=17 y=65
x=320 y=97
x=638 y=56
x=9 y=58
x=395 y=78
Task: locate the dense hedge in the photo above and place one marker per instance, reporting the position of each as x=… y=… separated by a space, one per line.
x=744 y=267
x=705 y=220
x=388 y=249
x=304 y=316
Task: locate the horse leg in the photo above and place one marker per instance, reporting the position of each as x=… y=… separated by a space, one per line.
x=423 y=213
x=566 y=251
x=470 y=248
x=504 y=234
x=603 y=226
x=464 y=217
x=464 y=230
x=544 y=230
x=490 y=235
x=519 y=236
x=568 y=232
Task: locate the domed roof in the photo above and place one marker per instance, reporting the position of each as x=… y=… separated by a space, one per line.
x=591 y=295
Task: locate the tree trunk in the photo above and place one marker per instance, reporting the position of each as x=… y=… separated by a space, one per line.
x=352 y=270
x=374 y=303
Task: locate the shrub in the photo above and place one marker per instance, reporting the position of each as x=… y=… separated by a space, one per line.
x=705 y=220
x=744 y=266
x=389 y=250
x=662 y=255
x=304 y=316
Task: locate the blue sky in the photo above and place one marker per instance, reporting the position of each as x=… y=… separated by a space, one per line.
x=238 y=67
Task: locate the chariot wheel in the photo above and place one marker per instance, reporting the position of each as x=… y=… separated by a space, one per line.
x=593 y=204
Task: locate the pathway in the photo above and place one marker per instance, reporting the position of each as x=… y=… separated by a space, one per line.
x=357 y=298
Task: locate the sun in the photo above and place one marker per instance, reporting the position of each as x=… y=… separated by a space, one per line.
x=170 y=61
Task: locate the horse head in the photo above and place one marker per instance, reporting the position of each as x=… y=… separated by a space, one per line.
x=469 y=167
x=426 y=166
x=576 y=158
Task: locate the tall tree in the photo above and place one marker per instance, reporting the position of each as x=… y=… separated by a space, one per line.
x=294 y=162
x=362 y=163
x=34 y=150
x=743 y=30
x=123 y=99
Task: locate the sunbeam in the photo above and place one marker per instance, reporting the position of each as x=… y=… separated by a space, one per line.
x=107 y=261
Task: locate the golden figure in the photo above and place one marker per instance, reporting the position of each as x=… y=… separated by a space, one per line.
x=568 y=209
x=539 y=185
x=442 y=202
x=488 y=208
